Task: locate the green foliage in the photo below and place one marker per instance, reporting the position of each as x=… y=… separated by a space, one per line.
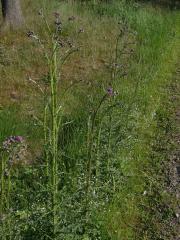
x=94 y=177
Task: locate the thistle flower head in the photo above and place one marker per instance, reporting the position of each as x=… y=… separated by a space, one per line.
x=18 y=139
x=110 y=92
x=12 y=140
x=16 y=148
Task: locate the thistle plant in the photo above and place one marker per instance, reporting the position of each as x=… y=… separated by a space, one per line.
x=57 y=49
x=101 y=121
x=94 y=132
x=124 y=44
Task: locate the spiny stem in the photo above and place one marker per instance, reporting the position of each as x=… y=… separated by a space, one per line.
x=2 y=185
x=89 y=155
x=8 y=191
x=91 y=127
x=54 y=136
x=109 y=141
x=98 y=150
x=46 y=140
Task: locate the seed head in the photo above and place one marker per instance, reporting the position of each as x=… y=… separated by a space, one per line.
x=31 y=34
x=61 y=43
x=58 y=24
x=70 y=44
x=81 y=30
x=57 y=15
x=72 y=18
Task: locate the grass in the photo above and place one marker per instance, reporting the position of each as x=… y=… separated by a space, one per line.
x=141 y=168
x=109 y=183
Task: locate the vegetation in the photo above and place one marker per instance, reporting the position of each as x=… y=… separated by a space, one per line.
x=83 y=118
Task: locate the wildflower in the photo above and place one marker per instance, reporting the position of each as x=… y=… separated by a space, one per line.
x=7 y=144
x=18 y=139
x=110 y=92
x=16 y=148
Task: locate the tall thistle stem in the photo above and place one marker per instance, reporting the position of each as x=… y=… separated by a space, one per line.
x=5 y=196
x=52 y=110
x=2 y=196
x=98 y=150
x=109 y=142
x=2 y=185
x=45 y=124
x=91 y=129
x=54 y=135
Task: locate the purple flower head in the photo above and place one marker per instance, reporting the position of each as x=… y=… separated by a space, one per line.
x=7 y=144
x=18 y=139
x=110 y=92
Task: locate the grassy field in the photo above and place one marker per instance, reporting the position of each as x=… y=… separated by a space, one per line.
x=92 y=170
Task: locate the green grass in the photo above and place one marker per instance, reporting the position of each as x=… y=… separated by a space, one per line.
x=123 y=136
